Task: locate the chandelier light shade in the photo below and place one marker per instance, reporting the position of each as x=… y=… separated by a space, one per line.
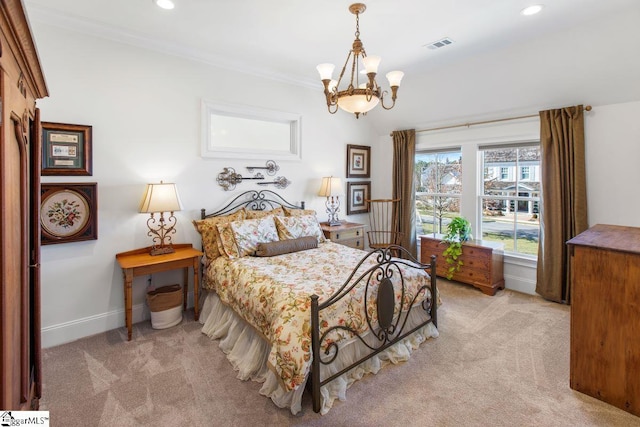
x=331 y=188
x=348 y=92
x=161 y=198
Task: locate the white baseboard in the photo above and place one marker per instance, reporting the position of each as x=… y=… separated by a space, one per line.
x=520 y=284
x=79 y=328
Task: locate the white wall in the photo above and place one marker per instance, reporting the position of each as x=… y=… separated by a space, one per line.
x=612 y=134
x=145 y=111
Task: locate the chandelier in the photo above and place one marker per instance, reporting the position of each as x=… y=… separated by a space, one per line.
x=358 y=98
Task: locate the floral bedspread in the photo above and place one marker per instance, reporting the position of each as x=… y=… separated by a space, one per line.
x=273 y=295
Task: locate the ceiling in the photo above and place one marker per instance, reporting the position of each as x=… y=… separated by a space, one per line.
x=286 y=39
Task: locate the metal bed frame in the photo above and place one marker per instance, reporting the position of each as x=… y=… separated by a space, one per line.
x=389 y=328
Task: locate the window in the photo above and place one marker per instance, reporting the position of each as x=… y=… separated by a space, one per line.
x=504 y=173
x=438 y=179
x=510 y=209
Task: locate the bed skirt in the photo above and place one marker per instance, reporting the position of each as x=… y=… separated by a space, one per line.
x=248 y=351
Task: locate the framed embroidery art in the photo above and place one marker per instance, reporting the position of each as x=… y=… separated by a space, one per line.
x=68 y=213
x=357 y=195
x=358 y=161
x=66 y=149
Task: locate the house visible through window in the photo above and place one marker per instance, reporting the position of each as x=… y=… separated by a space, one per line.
x=438 y=179
x=510 y=207
x=504 y=173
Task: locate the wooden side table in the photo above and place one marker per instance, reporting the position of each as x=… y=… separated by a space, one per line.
x=348 y=233
x=139 y=263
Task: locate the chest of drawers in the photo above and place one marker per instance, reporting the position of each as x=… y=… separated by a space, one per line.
x=483 y=262
x=348 y=234
x=605 y=301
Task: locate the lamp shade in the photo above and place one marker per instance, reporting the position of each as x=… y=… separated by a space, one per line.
x=371 y=63
x=395 y=77
x=325 y=70
x=331 y=186
x=357 y=103
x=160 y=198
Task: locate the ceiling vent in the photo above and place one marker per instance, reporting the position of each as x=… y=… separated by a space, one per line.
x=439 y=43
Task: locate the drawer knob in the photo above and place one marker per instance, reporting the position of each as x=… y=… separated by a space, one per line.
x=337 y=236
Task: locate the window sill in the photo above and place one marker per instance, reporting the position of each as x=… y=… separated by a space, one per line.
x=521 y=260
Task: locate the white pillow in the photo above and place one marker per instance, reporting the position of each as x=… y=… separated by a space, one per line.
x=250 y=232
x=293 y=227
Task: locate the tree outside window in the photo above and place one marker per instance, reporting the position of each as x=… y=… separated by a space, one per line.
x=438 y=179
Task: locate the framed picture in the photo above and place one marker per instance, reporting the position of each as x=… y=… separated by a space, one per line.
x=358 y=161
x=66 y=149
x=357 y=195
x=68 y=212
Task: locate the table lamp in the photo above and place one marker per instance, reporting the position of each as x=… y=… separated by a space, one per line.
x=331 y=188
x=161 y=198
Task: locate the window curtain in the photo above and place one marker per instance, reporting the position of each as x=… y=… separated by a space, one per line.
x=564 y=198
x=404 y=153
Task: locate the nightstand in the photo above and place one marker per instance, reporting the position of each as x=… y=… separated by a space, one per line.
x=347 y=233
x=138 y=263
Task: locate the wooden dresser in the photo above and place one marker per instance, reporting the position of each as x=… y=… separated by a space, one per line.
x=483 y=262
x=21 y=83
x=348 y=233
x=605 y=315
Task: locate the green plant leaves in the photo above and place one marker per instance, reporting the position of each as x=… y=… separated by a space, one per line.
x=458 y=231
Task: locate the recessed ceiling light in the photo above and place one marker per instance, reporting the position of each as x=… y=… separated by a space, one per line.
x=531 y=10
x=165 y=4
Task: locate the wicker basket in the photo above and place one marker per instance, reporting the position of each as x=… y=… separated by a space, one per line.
x=165 y=304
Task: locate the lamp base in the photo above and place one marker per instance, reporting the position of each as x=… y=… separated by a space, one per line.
x=161 y=250
x=333 y=223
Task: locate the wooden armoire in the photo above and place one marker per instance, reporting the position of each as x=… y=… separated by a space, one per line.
x=21 y=83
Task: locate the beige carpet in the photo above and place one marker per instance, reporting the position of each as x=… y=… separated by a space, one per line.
x=499 y=361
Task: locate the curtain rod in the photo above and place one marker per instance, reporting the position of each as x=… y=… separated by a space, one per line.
x=587 y=108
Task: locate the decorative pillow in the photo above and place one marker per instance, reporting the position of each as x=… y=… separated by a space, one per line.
x=297 y=212
x=292 y=227
x=287 y=246
x=261 y=214
x=250 y=232
x=209 y=232
x=227 y=245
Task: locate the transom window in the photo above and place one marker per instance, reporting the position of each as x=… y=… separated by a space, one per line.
x=438 y=179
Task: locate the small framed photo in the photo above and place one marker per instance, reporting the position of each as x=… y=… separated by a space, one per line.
x=66 y=149
x=68 y=212
x=357 y=195
x=358 y=161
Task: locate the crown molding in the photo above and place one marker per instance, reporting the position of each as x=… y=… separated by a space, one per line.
x=48 y=16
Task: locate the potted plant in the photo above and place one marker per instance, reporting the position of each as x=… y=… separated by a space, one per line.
x=458 y=231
